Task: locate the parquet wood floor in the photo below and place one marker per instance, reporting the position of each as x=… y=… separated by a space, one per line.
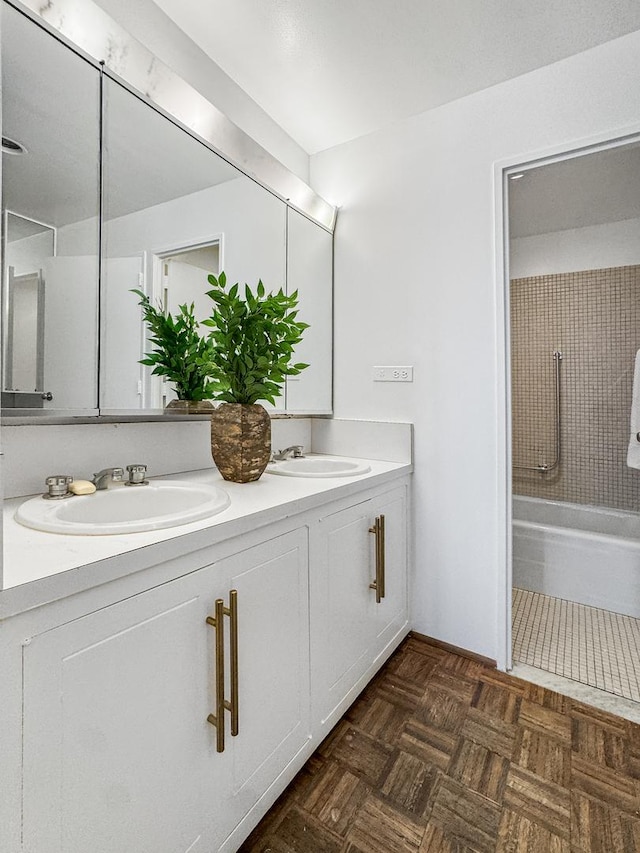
x=441 y=754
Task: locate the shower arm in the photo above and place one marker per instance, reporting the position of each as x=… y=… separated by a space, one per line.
x=544 y=468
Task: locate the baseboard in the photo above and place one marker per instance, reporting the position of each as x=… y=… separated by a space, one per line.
x=456 y=650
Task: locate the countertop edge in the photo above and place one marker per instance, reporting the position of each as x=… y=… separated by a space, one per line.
x=76 y=579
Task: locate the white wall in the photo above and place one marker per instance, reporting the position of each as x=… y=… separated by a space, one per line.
x=415 y=283
x=616 y=244
x=148 y=23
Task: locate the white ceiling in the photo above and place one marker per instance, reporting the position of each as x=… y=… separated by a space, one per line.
x=331 y=70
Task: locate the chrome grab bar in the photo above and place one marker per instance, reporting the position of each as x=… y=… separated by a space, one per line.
x=543 y=468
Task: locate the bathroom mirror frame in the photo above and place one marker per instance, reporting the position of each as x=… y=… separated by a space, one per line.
x=95 y=37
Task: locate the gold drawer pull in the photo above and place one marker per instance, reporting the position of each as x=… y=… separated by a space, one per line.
x=379 y=583
x=222 y=704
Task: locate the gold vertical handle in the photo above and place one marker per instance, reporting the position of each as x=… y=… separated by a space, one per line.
x=222 y=704
x=233 y=642
x=379 y=583
x=382 y=557
x=217 y=719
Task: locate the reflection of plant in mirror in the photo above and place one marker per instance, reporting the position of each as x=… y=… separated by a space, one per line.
x=252 y=341
x=180 y=353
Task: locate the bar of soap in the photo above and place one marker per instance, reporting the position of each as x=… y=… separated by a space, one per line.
x=82 y=487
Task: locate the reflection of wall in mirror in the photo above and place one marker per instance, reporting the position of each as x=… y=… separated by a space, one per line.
x=121 y=335
x=186 y=282
x=310 y=272
x=70 y=310
x=248 y=221
x=29 y=254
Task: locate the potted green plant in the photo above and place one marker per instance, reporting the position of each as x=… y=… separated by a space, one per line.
x=181 y=354
x=252 y=341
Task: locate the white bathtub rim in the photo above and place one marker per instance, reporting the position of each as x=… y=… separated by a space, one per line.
x=562 y=532
x=561 y=525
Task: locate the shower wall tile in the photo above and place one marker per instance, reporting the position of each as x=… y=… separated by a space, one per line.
x=593 y=318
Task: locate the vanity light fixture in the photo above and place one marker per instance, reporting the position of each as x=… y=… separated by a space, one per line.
x=10 y=146
x=516 y=176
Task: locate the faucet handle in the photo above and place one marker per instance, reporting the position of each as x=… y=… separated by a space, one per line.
x=58 y=486
x=137 y=474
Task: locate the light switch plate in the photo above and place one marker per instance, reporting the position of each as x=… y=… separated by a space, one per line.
x=397 y=373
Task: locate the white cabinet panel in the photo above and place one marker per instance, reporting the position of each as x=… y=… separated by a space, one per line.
x=273 y=664
x=350 y=630
x=343 y=612
x=119 y=755
x=115 y=726
x=391 y=613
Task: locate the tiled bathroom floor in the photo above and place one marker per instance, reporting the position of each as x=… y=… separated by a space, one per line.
x=592 y=646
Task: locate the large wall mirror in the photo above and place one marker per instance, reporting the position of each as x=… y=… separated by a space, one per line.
x=173 y=213
x=50 y=202
x=164 y=213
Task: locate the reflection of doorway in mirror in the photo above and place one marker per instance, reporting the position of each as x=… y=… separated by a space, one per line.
x=29 y=246
x=182 y=279
x=24 y=365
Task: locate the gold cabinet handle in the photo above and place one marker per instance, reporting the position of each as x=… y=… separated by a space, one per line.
x=383 y=564
x=379 y=583
x=233 y=632
x=217 y=719
x=222 y=704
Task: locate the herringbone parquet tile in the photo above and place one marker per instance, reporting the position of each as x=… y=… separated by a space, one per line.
x=443 y=755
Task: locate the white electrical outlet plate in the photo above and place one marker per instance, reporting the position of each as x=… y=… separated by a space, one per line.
x=397 y=373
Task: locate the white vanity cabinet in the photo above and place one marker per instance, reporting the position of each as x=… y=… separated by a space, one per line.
x=118 y=752
x=107 y=745
x=351 y=631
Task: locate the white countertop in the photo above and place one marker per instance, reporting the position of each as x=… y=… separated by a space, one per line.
x=31 y=556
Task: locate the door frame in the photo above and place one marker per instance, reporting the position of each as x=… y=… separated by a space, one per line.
x=152 y=265
x=501 y=171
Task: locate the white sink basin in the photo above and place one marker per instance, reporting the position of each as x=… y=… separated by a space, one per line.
x=319 y=466
x=125 y=509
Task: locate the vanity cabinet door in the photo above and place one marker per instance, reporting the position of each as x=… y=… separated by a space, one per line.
x=352 y=633
x=119 y=754
x=391 y=614
x=271 y=580
x=115 y=725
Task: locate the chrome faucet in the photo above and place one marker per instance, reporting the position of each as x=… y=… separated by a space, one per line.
x=102 y=479
x=295 y=451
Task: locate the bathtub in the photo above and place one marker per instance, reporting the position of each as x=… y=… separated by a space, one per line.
x=586 y=554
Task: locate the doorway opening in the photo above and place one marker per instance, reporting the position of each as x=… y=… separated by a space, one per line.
x=573 y=308
x=180 y=276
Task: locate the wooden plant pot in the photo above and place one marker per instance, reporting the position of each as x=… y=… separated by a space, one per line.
x=189 y=407
x=240 y=441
